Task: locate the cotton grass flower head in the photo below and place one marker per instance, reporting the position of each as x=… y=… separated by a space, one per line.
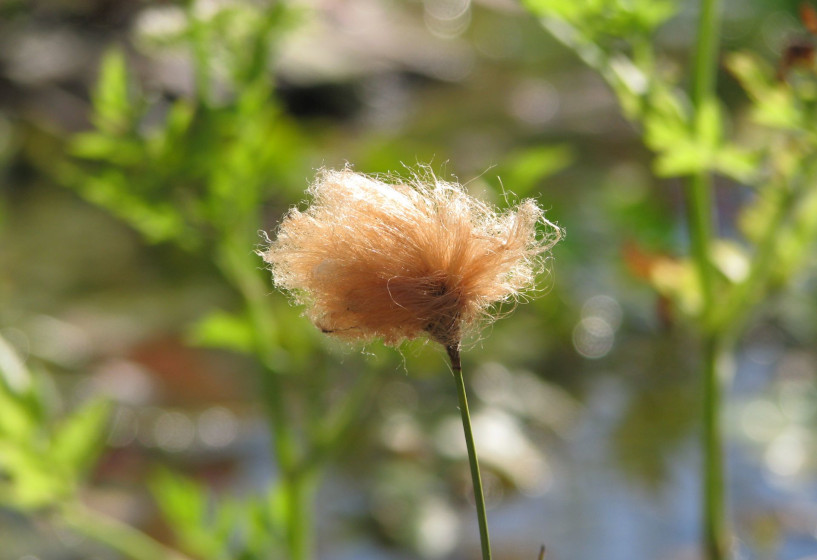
x=400 y=261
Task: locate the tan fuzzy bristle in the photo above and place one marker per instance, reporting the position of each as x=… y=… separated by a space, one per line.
x=398 y=261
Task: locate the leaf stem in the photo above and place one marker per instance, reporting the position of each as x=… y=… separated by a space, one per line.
x=479 y=496
x=745 y=296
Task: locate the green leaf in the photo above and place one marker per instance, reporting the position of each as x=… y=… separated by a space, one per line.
x=93 y=145
x=525 y=169
x=223 y=330
x=600 y=21
x=682 y=150
x=774 y=103
x=182 y=500
x=106 y=148
x=751 y=72
x=655 y=13
x=33 y=482
x=18 y=403
x=112 y=107
x=17 y=422
x=14 y=376
x=685 y=159
x=263 y=536
x=738 y=163
x=113 y=189
x=276 y=509
x=78 y=439
x=664 y=132
x=185 y=504
x=179 y=119
x=709 y=125
x=15 y=459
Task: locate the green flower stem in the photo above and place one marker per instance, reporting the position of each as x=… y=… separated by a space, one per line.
x=123 y=538
x=700 y=212
x=479 y=496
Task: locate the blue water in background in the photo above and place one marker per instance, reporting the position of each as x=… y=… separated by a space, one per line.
x=593 y=512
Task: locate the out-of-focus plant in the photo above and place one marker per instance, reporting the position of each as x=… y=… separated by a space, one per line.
x=198 y=172
x=724 y=279
x=44 y=459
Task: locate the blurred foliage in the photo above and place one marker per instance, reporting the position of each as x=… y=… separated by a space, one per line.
x=525 y=169
x=776 y=162
x=42 y=460
x=216 y=528
x=644 y=442
x=178 y=181
x=725 y=278
x=200 y=178
x=198 y=172
x=646 y=91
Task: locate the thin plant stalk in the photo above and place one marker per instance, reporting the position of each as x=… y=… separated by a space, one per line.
x=296 y=485
x=300 y=493
x=476 y=478
x=700 y=212
x=297 y=494
x=714 y=523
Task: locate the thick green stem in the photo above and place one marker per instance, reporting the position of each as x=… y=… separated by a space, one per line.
x=479 y=496
x=705 y=62
x=699 y=191
x=700 y=211
x=699 y=216
x=119 y=536
x=714 y=510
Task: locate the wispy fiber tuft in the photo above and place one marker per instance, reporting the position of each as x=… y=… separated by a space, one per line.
x=398 y=261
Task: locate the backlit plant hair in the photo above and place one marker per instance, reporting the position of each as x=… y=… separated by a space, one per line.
x=373 y=260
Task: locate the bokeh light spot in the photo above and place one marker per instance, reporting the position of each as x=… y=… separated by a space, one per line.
x=173 y=431
x=217 y=427
x=786 y=455
x=593 y=337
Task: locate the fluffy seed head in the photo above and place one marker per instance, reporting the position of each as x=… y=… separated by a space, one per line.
x=397 y=261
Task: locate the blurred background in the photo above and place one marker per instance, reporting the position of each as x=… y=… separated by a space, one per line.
x=113 y=281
